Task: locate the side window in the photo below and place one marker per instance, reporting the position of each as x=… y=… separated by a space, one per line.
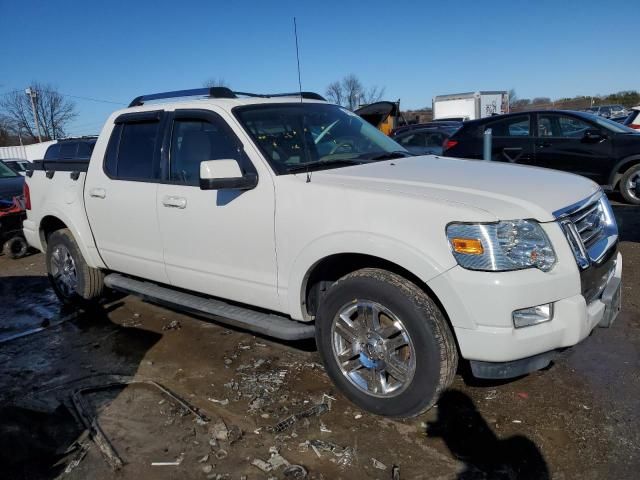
x=85 y=149
x=68 y=150
x=194 y=141
x=52 y=152
x=561 y=126
x=131 y=151
x=413 y=140
x=511 y=127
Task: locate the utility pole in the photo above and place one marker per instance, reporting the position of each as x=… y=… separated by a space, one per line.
x=32 y=96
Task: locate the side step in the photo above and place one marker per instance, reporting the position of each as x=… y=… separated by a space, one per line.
x=264 y=323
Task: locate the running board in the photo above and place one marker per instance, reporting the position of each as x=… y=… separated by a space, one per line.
x=264 y=323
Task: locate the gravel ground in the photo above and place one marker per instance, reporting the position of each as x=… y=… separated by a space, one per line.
x=576 y=419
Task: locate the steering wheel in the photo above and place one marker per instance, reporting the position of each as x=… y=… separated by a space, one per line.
x=343 y=142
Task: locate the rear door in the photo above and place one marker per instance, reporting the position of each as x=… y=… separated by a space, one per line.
x=120 y=197
x=561 y=144
x=512 y=139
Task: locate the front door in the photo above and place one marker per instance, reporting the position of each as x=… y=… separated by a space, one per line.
x=120 y=197
x=216 y=242
x=561 y=144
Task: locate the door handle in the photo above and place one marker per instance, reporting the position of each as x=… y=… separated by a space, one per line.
x=543 y=144
x=97 y=193
x=174 y=202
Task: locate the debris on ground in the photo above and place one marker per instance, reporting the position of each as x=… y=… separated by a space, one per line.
x=295 y=472
x=395 y=472
x=220 y=402
x=275 y=461
x=378 y=464
x=344 y=454
x=175 y=463
x=172 y=325
x=286 y=423
x=219 y=431
x=491 y=395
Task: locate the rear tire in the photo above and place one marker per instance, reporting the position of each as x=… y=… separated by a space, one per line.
x=74 y=282
x=396 y=365
x=16 y=247
x=627 y=185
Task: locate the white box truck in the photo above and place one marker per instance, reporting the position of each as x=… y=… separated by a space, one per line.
x=470 y=106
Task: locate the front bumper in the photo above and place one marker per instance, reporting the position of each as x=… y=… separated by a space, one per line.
x=482 y=320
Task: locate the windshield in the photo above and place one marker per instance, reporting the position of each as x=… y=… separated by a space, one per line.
x=294 y=137
x=6 y=172
x=611 y=125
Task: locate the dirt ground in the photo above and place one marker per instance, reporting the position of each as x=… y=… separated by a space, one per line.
x=577 y=419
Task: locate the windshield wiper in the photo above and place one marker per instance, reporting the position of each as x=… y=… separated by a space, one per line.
x=308 y=167
x=389 y=155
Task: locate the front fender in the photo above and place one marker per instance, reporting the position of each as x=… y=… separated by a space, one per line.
x=419 y=262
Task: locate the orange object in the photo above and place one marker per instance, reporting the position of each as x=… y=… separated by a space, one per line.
x=468 y=246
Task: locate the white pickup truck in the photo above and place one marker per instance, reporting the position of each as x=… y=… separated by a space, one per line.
x=294 y=218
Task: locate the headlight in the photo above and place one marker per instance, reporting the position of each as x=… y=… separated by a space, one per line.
x=510 y=245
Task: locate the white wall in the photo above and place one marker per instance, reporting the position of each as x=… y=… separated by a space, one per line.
x=27 y=152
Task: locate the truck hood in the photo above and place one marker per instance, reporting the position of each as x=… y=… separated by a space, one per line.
x=504 y=190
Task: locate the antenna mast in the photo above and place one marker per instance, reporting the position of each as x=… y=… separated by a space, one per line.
x=295 y=32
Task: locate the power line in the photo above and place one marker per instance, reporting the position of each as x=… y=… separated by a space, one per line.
x=92 y=99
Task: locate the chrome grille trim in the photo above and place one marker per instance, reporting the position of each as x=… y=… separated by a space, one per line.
x=590 y=228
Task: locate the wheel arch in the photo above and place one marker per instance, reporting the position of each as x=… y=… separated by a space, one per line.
x=619 y=168
x=57 y=220
x=331 y=258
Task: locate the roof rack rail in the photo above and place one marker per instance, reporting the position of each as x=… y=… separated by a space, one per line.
x=218 y=92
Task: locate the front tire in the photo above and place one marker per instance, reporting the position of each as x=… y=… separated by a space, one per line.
x=74 y=282
x=628 y=184
x=16 y=247
x=385 y=343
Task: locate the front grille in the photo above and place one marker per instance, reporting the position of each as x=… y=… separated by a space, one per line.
x=590 y=223
x=590 y=228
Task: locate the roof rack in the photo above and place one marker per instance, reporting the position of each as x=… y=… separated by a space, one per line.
x=218 y=92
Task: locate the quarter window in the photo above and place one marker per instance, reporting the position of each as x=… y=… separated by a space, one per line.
x=510 y=127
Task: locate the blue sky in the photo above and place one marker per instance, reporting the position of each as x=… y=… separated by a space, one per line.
x=117 y=50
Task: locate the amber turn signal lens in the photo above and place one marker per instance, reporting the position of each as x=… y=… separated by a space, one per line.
x=468 y=246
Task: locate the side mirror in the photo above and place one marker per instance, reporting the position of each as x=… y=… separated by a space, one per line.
x=594 y=135
x=225 y=175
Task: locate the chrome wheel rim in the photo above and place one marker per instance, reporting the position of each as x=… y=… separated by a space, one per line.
x=373 y=349
x=63 y=270
x=631 y=185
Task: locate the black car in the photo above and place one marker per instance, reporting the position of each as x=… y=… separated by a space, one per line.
x=10 y=183
x=71 y=149
x=425 y=140
x=604 y=151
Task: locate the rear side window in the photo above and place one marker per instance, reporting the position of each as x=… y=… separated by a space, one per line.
x=131 y=153
x=52 y=152
x=68 y=150
x=85 y=149
x=511 y=127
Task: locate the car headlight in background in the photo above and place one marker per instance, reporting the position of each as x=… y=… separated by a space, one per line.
x=501 y=246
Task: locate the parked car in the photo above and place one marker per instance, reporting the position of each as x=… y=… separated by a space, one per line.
x=604 y=151
x=434 y=123
x=295 y=218
x=427 y=140
x=79 y=148
x=607 y=111
x=18 y=165
x=633 y=119
x=10 y=183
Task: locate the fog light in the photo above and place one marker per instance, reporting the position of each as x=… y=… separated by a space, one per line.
x=526 y=317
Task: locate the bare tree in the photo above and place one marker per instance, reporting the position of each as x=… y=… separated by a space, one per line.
x=5 y=130
x=216 y=82
x=54 y=111
x=334 y=93
x=373 y=94
x=349 y=92
x=353 y=90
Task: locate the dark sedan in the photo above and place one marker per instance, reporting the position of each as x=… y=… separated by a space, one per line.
x=426 y=139
x=10 y=183
x=604 y=151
